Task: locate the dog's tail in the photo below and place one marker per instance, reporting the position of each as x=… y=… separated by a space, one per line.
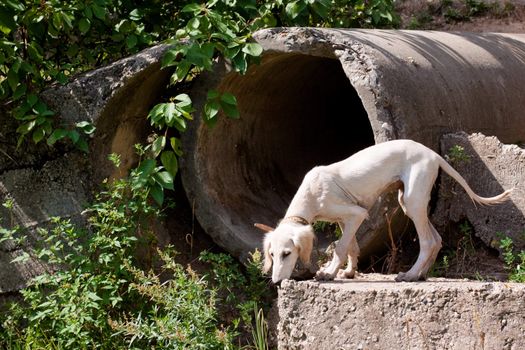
x=500 y=198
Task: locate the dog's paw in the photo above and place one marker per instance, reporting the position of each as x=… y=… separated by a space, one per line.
x=346 y=274
x=406 y=277
x=324 y=276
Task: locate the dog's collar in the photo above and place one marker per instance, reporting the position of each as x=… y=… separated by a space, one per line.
x=297 y=219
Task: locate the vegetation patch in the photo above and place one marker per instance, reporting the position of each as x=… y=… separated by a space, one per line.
x=102 y=295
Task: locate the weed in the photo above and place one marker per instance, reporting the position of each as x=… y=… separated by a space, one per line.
x=514 y=262
x=420 y=20
x=457 y=259
x=456 y=154
x=440 y=267
x=105 y=297
x=476 y=8
x=260 y=331
x=241 y=288
x=330 y=229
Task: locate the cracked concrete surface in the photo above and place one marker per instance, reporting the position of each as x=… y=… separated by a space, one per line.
x=374 y=312
x=490 y=167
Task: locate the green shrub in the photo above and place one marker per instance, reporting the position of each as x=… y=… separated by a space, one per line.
x=101 y=296
x=514 y=262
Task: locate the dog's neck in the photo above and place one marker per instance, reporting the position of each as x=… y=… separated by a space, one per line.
x=301 y=206
x=296 y=219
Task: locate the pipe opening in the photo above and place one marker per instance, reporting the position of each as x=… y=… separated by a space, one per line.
x=297 y=111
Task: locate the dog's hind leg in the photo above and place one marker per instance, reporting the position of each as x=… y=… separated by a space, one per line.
x=401 y=200
x=418 y=186
x=435 y=249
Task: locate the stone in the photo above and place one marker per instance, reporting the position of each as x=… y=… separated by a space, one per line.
x=374 y=312
x=489 y=167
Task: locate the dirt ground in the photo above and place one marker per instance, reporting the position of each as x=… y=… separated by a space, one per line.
x=497 y=16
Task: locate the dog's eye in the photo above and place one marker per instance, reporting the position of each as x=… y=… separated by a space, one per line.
x=271 y=254
x=285 y=254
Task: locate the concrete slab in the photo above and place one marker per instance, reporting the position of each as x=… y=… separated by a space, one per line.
x=374 y=312
x=489 y=167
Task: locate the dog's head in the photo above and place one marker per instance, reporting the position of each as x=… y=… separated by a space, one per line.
x=284 y=245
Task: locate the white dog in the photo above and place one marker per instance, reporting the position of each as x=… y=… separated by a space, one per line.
x=343 y=192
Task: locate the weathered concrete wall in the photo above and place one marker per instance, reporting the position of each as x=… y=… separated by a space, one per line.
x=319 y=95
x=373 y=312
x=45 y=182
x=490 y=167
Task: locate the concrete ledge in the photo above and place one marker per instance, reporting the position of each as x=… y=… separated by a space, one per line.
x=374 y=312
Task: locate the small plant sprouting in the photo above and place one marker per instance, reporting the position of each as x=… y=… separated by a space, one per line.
x=114 y=158
x=456 y=154
x=260 y=331
x=514 y=262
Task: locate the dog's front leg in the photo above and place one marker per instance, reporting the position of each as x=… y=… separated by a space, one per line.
x=350 y=226
x=353 y=254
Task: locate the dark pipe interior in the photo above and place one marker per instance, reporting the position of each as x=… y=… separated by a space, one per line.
x=297 y=111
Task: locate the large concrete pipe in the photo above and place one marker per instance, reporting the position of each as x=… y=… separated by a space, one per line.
x=320 y=95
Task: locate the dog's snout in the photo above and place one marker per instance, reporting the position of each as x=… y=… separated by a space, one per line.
x=276 y=281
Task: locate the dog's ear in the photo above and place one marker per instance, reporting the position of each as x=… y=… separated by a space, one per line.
x=267 y=257
x=304 y=241
x=264 y=227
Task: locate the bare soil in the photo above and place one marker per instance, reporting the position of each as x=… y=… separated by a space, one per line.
x=497 y=16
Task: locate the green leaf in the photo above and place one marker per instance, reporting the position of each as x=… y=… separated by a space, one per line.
x=73 y=135
x=169 y=57
x=67 y=20
x=146 y=167
x=38 y=135
x=252 y=49
x=321 y=7
x=24 y=257
x=182 y=70
x=131 y=41
x=56 y=20
x=57 y=134
x=176 y=146
x=100 y=12
x=16 y=5
x=211 y=108
x=20 y=91
x=156 y=113
x=170 y=162
x=82 y=145
x=26 y=127
x=84 y=24
x=12 y=79
x=93 y=296
x=165 y=179
x=184 y=98
x=295 y=8
x=229 y=99
x=194 y=23
x=87 y=127
x=7 y=23
x=135 y=15
x=208 y=49
x=32 y=99
x=157 y=192
x=213 y=94
x=230 y=110
x=239 y=62
x=193 y=7
x=158 y=145
x=169 y=112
